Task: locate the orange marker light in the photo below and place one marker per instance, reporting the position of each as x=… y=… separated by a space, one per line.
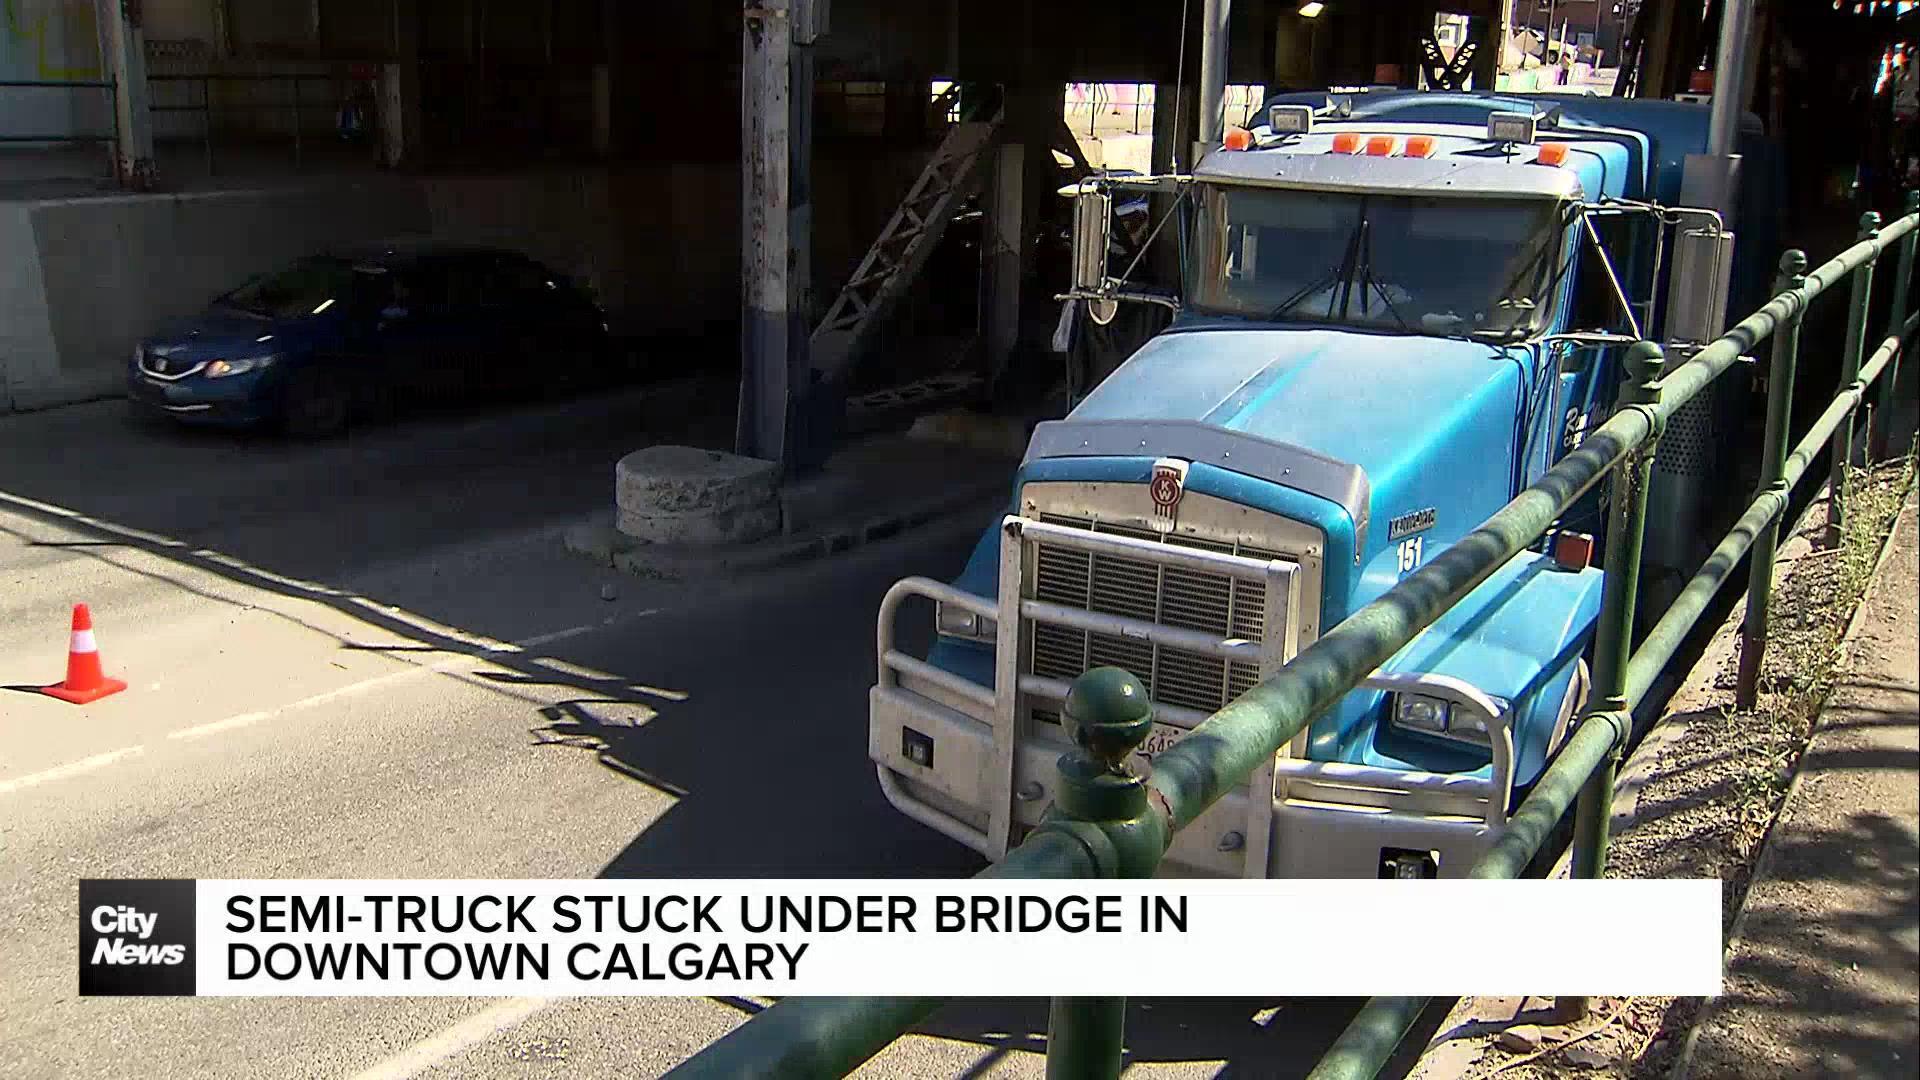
x=1572 y=551
x=1553 y=153
x=1419 y=146
x=1347 y=142
x=1379 y=145
x=1238 y=138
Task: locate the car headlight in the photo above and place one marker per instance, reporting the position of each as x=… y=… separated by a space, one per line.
x=220 y=369
x=955 y=621
x=1438 y=717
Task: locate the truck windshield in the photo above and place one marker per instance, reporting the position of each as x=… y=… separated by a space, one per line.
x=1439 y=266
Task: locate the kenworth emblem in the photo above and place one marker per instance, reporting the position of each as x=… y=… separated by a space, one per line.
x=1408 y=524
x=1168 y=484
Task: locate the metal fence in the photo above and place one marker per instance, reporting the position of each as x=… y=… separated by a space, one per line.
x=1127 y=108
x=107 y=85
x=1108 y=824
x=290 y=106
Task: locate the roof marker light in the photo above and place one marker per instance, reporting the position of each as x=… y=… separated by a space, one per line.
x=1237 y=138
x=1347 y=142
x=1419 y=146
x=1290 y=119
x=1553 y=153
x=1510 y=127
x=1379 y=145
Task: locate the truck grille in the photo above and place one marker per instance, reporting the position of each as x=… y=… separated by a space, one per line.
x=1170 y=596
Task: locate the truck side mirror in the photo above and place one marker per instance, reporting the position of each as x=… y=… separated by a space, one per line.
x=1092 y=232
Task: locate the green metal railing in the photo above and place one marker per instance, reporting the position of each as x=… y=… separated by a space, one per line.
x=1109 y=823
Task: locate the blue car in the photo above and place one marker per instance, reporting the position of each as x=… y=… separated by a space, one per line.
x=334 y=337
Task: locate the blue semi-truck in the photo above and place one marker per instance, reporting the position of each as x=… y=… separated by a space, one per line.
x=1397 y=311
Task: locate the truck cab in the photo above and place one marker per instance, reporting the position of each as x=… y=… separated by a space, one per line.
x=1395 y=315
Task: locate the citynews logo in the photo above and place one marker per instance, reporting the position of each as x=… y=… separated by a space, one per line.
x=136 y=937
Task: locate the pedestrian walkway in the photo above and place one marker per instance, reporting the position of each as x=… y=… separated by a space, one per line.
x=1823 y=970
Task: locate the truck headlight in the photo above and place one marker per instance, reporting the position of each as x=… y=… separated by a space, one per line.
x=955 y=621
x=1439 y=717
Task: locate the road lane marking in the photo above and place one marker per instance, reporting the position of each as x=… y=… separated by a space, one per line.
x=71 y=768
x=449 y=1042
x=199 y=731
x=100 y=761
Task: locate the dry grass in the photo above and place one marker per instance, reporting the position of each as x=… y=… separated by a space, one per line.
x=1717 y=790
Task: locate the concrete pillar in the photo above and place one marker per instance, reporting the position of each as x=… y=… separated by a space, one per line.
x=1002 y=254
x=1173 y=136
x=1022 y=177
x=126 y=63
x=777 y=37
x=602 y=108
x=400 y=117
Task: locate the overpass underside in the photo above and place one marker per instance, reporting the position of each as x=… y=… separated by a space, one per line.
x=854 y=195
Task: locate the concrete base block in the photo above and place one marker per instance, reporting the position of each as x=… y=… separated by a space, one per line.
x=681 y=495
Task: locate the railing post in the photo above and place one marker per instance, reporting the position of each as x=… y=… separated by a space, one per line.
x=1773 y=469
x=1107 y=715
x=1902 y=285
x=1613 y=640
x=1843 y=436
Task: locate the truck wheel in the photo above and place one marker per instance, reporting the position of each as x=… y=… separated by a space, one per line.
x=316 y=404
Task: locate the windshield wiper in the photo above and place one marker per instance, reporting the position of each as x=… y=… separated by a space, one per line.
x=1334 y=277
x=1368 y=281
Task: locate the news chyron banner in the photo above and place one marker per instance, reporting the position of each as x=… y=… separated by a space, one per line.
x=974 y=938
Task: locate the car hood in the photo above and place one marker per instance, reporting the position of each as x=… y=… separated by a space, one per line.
x=218 y=332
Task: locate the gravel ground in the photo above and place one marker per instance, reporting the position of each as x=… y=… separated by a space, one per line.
x=1713 y=793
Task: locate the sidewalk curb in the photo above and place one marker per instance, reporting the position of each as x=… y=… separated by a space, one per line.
x=1769 y=849
x=597 y=539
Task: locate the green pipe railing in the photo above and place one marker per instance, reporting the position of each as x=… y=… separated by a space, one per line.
x=1589 y=753
x=1109 y=823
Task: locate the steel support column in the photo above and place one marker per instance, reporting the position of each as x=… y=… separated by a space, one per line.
x=400 y=114
x=1213 y=69
x=776 y=72
x=126 y=62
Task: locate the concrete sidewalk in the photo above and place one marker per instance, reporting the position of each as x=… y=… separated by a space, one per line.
x=1823 y=971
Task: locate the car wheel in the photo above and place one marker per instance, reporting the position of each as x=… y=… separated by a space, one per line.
x=316 y=404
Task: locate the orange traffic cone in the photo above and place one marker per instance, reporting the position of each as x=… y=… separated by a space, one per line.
x=85 y=681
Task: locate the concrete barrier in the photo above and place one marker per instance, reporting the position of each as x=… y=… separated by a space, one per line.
x=685 y=496
x=89 y=277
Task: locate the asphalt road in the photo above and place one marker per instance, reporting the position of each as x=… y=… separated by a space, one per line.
x=372 y=658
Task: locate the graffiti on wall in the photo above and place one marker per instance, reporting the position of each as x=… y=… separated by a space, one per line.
x=50 y=39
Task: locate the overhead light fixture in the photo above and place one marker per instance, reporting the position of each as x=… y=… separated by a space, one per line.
x=1312 y=9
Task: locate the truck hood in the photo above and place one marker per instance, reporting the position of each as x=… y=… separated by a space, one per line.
x=1398 y=407
x=1383 y=402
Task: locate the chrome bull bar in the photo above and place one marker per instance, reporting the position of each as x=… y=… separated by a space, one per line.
x=1002 y=707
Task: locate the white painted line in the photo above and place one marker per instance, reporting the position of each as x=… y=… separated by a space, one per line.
x=72 y=768
x=199 y=731
x=462 y=1036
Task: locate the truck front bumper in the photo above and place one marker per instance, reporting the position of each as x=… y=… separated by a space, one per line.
x=966 y=759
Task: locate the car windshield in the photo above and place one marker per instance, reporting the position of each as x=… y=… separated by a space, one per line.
x=308 y=287
x=1439 y=266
